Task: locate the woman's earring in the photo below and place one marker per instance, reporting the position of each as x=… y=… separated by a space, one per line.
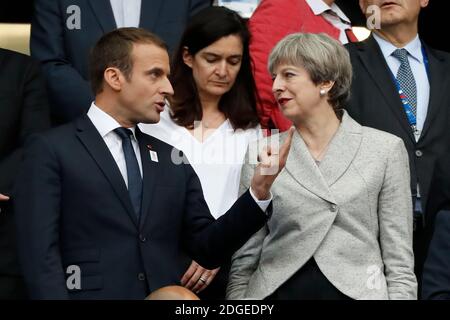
x=322 y=92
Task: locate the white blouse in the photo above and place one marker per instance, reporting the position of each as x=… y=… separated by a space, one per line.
x=217 y=160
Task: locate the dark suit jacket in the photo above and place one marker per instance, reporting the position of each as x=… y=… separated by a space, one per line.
x=375 y=103
x=436 y=272
x=23 y=111
x=64 y=52
x=73 y=208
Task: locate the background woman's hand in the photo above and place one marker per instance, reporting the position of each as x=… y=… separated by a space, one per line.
x=197 y=278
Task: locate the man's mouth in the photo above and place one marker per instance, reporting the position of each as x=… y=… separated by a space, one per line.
x=160 y=105
x=388 y=4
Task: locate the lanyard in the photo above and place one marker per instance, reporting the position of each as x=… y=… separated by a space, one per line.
x=405 y=102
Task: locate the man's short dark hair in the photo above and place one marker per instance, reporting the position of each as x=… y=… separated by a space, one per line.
x=114 y=50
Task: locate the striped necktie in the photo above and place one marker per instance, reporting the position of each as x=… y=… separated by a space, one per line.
x=406 y=79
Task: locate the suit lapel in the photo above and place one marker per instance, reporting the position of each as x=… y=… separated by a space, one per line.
x=149 y=13
x=104 y=13
x=374 y=62
x=150 y=173
x=93 y=142
x=438 y=88
x=301 y=166
x=342 y=150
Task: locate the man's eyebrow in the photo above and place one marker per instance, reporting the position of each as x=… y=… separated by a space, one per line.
x=155 y=70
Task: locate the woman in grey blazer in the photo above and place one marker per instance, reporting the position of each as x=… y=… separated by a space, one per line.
x=342 y=214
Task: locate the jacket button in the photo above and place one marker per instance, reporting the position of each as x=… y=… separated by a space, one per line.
x=333 y=208
x=419 y=153
x=142 y=238
x=141 y=276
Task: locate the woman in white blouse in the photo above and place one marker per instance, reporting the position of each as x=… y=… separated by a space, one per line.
x=212 y=117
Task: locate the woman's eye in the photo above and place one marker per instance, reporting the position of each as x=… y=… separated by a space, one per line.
x=288 y=74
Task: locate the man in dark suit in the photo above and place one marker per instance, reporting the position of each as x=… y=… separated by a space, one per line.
x=105 y=211
x=401 y=86
x=436 y=271
x=64 y=31
x=23 y=111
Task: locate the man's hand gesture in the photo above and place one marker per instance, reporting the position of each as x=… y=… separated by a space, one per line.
x=271 y=161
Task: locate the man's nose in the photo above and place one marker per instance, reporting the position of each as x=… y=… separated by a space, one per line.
x=167 y=88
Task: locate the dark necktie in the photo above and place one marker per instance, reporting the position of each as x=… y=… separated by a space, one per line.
x=133 y=172
x=406 y=79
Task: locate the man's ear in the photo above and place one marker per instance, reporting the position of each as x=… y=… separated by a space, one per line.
x=187 y=57
x=113 y=78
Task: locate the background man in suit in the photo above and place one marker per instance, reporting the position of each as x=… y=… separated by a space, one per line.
x=401 y=86
x=23 y=111
x=64 y=31
x=436 y=271
x=99 y=196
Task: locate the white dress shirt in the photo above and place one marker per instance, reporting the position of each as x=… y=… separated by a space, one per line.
x=217 y=160
x=339 y=21
x=105 y=124
x=416 y=62
x=127 y=13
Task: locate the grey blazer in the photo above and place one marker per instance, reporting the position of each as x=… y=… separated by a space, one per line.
x=353 y=213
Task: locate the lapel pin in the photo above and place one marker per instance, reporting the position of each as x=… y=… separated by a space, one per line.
x=153 y=156
x=149 y=147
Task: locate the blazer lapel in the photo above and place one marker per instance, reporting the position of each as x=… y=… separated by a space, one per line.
x=149 y=13
x=438 y=88
x=150 y=170
x=373 y=60
x=342 y=150
x=103 y=11
x=93 y=142
x=301 y=166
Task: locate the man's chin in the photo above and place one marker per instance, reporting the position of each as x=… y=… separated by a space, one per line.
x=152 y=120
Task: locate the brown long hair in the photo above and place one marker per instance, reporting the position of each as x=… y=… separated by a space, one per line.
x=238 y=104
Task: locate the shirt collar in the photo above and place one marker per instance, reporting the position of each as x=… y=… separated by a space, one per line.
x=104 y=122
x=414 y=47
x=319 y=7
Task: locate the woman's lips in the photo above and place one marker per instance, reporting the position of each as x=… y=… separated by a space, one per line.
x=219 y=83
x=283 y=101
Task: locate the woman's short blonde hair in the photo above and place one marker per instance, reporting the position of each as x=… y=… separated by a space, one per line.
x=324 y=58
